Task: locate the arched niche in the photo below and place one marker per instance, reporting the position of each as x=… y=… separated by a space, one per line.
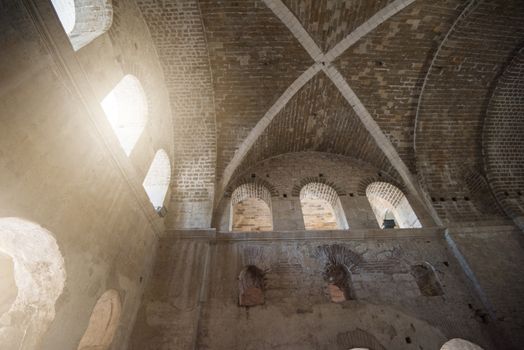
x=460 y=344
x=30 y=255
x=389 y=203
x=321 y=207
x=251 y=208
x=103 y=322
x=251 y=286
x=126 y=110
x=339 y=283
x=158 y=177
x=427 y=280
x=84 y=20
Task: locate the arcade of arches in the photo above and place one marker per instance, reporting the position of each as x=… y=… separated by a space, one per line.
x=261 y=174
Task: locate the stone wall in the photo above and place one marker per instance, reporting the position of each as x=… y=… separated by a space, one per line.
x=62 y=165
x=197 y=306
x=493 y=257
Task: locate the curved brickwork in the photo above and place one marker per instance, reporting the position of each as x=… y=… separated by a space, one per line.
x=289 y=172
x=321 y=126
x=178 y=33
x=503 y=139
x=251 y=190
x=328 y=22
x=318 y=190
x=386 y=68
x=250 y=180
x=254 y=59
x=319 y=180
x=453 y=104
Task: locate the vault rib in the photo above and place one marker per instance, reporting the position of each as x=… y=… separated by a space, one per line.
x=323 y=62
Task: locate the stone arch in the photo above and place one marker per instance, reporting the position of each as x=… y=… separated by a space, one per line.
x=389 y=203
x=103 y=322
x=251 y=286
x=460 y=344
x=84 y=20
x=158 y=177
x=427 y=280
x=126 y=110
x=39 y=275
x=251 y=208
x=321 y=207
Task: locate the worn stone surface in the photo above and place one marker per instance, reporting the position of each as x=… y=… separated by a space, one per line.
x=298 y=312
x=62 y=167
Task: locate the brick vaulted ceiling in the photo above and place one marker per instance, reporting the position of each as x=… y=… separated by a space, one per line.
x=279 y=79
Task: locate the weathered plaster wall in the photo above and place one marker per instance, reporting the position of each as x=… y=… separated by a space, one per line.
x=62 y=166
x=195 y=304
x=495 y=256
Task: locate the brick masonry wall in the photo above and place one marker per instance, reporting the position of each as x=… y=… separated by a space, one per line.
x=298 y=312
x=503 y=140
x=387 y=67
x=178 y=34
x=328 y=22
x=448 y=137
x=254 y=58
x=318 y=119
x=286 y=174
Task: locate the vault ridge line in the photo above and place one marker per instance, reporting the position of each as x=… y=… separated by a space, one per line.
x=322 y=62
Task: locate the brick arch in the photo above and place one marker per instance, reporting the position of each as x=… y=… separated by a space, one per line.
x=502 y=140
x=255 y=181
x=295 y=192
x=385 y=197
x=364 y=184
x=251 y=190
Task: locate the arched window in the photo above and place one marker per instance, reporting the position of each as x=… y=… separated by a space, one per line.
x=126 y=110
x=251 y=286
x=321 y=207
x=391 y=206
x=84 y=20
x=427 y=280
x=32 y=278
x=158 y=178
x=251 y=208
x=103 y=322
x=460 y=344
